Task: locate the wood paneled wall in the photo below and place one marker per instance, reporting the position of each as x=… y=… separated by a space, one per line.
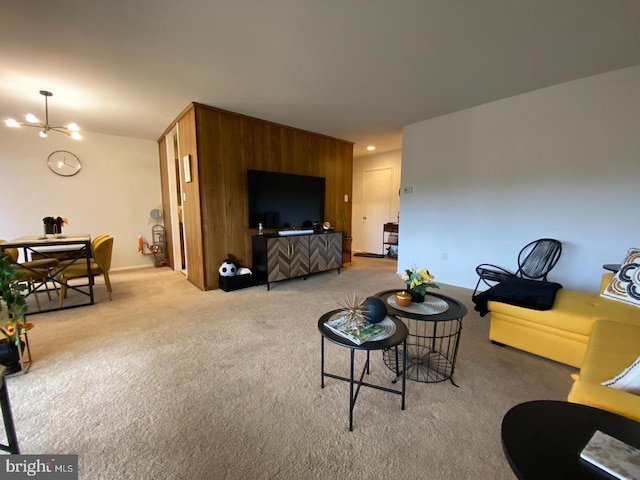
x=223 y=146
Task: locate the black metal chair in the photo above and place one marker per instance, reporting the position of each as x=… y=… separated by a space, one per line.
x=535 y=261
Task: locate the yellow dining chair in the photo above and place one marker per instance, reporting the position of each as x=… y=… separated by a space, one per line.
x=100 y=265
x=30 y=272
x=82 y=259
x=40 y=263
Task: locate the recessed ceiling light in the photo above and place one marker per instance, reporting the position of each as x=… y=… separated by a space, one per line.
x=371 y=148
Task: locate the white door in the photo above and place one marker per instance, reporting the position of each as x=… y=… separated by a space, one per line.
x=376 y=208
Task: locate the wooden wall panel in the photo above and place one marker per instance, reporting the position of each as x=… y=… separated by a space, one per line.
x=191 y=211
x=224 y=145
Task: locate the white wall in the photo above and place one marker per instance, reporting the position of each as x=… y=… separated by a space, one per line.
x=561 y=162
x=118 y=185
x=393 y=160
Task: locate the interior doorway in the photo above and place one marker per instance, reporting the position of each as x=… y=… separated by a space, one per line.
x=376 y=208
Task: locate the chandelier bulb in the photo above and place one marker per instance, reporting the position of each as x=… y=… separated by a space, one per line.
x=31 y=118
x=76 y=136
x=12 y=123
x=43 y=134
x=73 y=127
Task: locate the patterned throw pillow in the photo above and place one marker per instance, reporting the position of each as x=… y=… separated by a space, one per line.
x=628 y=380
x=625 y=285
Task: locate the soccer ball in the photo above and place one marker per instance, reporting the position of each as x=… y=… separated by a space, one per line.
x=227 y=269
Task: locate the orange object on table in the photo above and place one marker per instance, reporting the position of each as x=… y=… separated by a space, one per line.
x=403 y=299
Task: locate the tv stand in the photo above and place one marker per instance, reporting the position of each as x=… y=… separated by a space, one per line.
x=277 y=257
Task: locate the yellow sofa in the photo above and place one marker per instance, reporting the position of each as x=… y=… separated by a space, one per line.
x=562 y=333
x=598 y=335
x=612 y=347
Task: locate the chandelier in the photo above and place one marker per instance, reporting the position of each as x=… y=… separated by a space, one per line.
x=32 y=121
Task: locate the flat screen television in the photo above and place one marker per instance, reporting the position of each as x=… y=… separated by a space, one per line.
x=284 y=200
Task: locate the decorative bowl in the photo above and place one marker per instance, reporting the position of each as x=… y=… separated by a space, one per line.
x=403 y=299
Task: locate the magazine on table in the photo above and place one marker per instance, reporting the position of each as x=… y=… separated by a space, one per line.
x=368 y=332
x=613 y=456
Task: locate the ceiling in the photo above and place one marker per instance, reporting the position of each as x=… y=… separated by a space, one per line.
x=354 y=69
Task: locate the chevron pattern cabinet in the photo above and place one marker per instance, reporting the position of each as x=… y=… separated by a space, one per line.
x=325 y=252
x=278 y=258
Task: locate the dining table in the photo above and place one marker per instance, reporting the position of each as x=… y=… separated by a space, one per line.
x=77 y=248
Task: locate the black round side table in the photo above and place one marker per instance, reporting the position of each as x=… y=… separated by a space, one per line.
x=399 y=337
x=432 y=344
x=544 y=438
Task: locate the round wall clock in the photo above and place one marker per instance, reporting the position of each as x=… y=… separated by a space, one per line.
x=64 y=163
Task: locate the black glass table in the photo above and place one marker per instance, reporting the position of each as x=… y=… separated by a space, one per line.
x=432 y=343
x=544 y=438
x=398 y=337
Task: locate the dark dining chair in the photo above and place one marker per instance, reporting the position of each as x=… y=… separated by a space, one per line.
x=535 y=261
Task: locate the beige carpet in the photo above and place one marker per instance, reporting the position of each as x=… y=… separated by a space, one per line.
x=168 y=382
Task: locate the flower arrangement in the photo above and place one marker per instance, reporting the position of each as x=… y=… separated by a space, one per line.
x=53 y=225
x=418 y=280
x=12 y=330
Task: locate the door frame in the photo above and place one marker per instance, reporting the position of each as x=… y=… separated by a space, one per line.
x=387 y=214
x=174 y=176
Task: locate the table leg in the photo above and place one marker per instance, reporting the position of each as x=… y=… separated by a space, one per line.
x=89 y=272
x=404 y=369
x=351 y=400
x=397 y=364
x=321 y=361
x=12 y=439
x=455 y=351
x=368 y=362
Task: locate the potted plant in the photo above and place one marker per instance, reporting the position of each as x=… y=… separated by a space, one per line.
x=12 y=315
x=418 y=280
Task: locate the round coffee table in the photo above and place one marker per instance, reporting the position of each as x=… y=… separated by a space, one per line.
x=434 y=335
x=393 y=342
x=544 y=438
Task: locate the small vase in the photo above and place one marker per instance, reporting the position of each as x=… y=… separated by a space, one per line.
x=415 y=296
x=54 y=229
x=9 y=356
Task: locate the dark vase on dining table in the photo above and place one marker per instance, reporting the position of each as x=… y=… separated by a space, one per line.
x=52 y=228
